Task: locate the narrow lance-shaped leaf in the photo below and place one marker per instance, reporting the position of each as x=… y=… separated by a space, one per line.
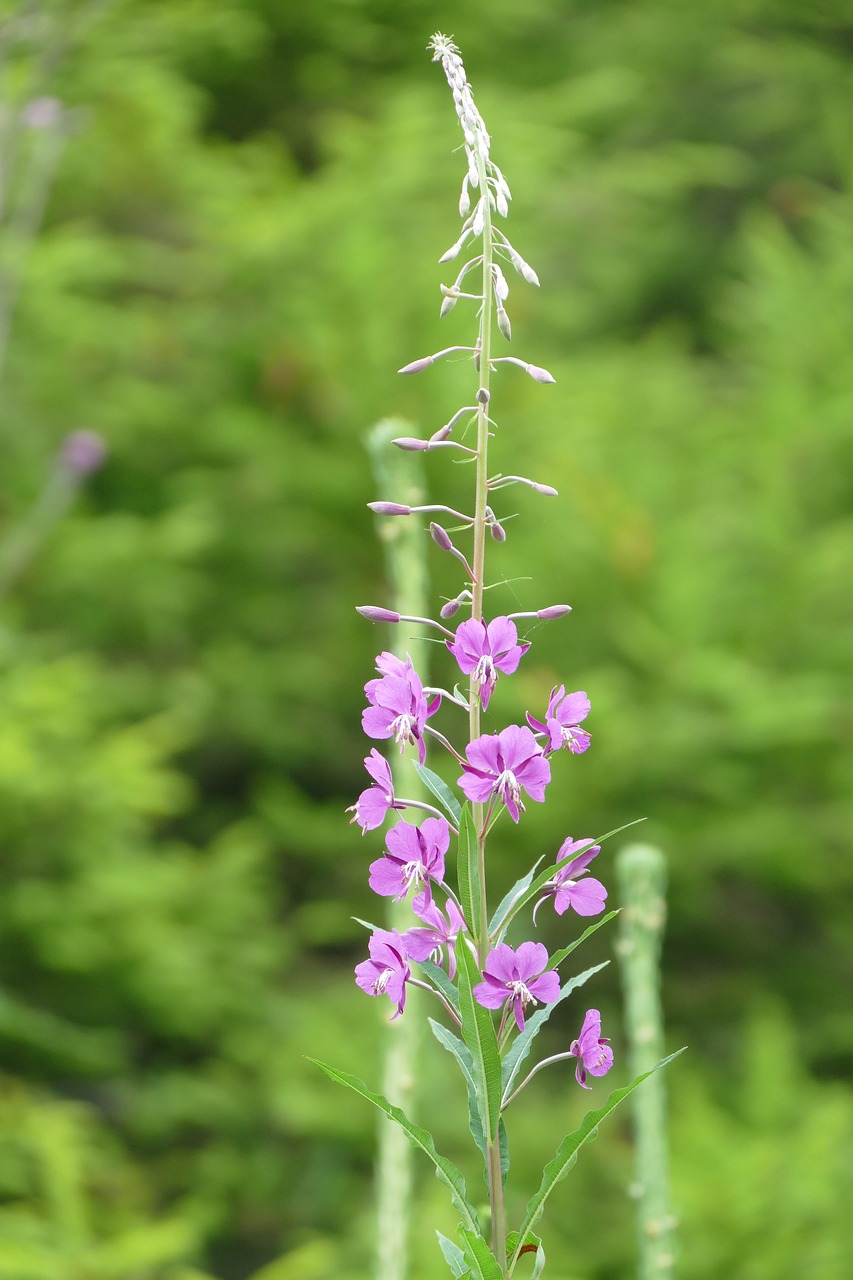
x=478 y=1255
x=462 y=1054
x=453 y=1256
x=441 y=791
x=567 y=1152
x=467 y=871
x=445 y=1169
x=478 y=1032
x=559 y=956
x=516 y=892
x=441 y=982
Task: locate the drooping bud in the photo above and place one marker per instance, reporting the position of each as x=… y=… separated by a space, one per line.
x=441 y=434
x=417 y=366
x=553 y=611
x=390 y=508
x=497 y=531
x=504 y=324
x=447 y=305
x=501 y=286
x=440 y=537
x=450 y=609
x=374 y=613
x=464 y=198
x=523 y=268
x=483 y=395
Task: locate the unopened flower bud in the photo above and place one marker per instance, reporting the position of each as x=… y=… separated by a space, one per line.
x=464 y=199
x=450 y=609
x=497 y=531
x=440 y=537
x=553 y=611
x=500 y=200
x=375 y=614
x=411 y=444
x=504 y=325
x=524 y=269
x=483 y=395
x=447 y=305
x=541 y=375
x=390 y=508
x=83 y=452
x=547 y=489
x=417 y=366
x=441 y=434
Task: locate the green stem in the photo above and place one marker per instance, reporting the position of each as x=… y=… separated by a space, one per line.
x=496 y=1196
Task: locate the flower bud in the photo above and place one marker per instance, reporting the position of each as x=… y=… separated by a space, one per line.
x=541 y=375
x=450 y=609
x=411 y=444
x=441 y=434
x=553 y=611
x=440 y=537
x=547 y=489
x=447 y=305
x=497 y=531
x=483 y=396
x=375 y=614
x=390 y=508
x=417 y=366
x=504 y=325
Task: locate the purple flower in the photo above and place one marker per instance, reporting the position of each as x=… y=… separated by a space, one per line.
x=500 y=764
x=83 y=452
x=586 y=897
x=517 y=976
x=372 y=805
x=414 y=856
x=387 y=971
x=594 y=1054
x=482 y=650
x=440 y=932
x=564 y=714
x=398 y=708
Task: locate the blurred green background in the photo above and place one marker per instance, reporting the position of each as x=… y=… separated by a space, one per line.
x=215 y=254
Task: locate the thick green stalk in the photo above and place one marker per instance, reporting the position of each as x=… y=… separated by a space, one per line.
x=642 y=884
x=405 y=563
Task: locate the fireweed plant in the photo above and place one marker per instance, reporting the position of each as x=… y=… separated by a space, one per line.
x=495 y=997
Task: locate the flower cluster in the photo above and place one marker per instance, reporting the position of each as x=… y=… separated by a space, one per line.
x=498 y=769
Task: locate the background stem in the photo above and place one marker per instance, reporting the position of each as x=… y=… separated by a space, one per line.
x=404 y=551
x=642 y=885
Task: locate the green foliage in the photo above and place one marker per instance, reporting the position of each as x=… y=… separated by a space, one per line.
x=237 y=251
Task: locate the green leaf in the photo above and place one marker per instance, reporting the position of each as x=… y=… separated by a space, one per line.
x=441 y=791
x=531 y=1243
x=522 y=1044
x=462 y=1055
x=559 y=956
x=517 y=891
x=441 y=982
x=445 y=1170
x=567 y=1152
x=467 y=871
x=478 y=1032
x=482 y=1262
x=454 y=1256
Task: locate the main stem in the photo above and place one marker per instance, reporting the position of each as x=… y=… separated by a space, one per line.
x=496 y=1194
